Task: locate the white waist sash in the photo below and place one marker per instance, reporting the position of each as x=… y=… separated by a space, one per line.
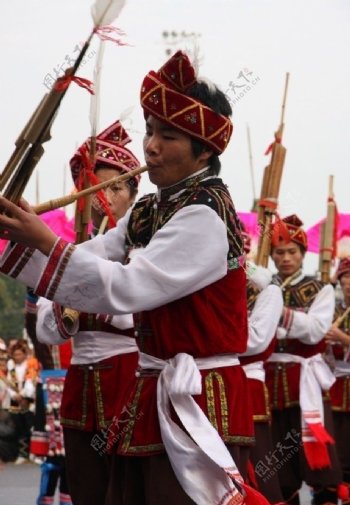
x=315 y=376
x=342 y=369
x=101 y=346
x=123 y=344
x=201 y=462
x=255 y=370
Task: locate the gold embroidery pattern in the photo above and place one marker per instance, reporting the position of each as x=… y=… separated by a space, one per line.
x=99 y=400
x=302 y=294
x=285 y=385
x=239 y=440
x=126 y=448
x=126 y=439
x=210 y=399
x=267 y=402
x=267 y=416
x=209 y=392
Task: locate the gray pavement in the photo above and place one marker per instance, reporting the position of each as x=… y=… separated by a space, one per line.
x=19 y=485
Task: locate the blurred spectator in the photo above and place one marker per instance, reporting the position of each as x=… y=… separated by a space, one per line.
x=11 y=343
x=4 y=387
x=46 y=444
x=22 y=376
x=8 y=442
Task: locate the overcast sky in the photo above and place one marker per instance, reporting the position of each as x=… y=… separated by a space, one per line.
x=258 y=40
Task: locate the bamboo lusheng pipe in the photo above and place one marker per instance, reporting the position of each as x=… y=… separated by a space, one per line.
x=289 y=279
x=262 y=258
x=263 y=193
x=326 y=246
x=277 y=168
x=270 y=188
x=329 y=348
x=83 y=215
x=29 y=148
x=341 y=318
x=251 y=166
x=66 y=200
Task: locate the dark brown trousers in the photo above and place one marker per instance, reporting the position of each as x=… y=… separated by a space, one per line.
x=293 y=470
x=150 y=480
x=260 y=455
x=88 y=473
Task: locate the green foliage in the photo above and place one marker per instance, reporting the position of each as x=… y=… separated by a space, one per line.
x=12 y=296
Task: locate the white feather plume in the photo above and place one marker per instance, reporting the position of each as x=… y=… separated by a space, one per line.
x=95 y=99
x=125 y=115
x=104 y=12
x=211 y=86
x=197 y=58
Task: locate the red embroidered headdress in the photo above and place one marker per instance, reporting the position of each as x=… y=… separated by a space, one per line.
x=110 y=151
x=289 y=229
x=163 y=95
x=343 y=267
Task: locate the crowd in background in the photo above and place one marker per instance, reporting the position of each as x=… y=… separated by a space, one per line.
x=19 y=371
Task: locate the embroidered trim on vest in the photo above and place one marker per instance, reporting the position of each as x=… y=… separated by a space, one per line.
x=99 y=401
x=267 y=416
x=128 y=430
x=302 y=294
x=150 y=215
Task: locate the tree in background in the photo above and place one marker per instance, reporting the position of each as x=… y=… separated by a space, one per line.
x=12 y=295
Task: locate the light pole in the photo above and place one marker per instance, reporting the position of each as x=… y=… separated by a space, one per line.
x=174 y=40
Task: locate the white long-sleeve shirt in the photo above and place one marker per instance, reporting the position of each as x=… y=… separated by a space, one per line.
x=178 y=261
x=88 y=346
x=310 y=327
x=264 y=319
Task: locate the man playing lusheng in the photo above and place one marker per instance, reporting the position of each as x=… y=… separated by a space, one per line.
x=175 y=262
x=296 y=375
x=104 y=359
x=338 y=339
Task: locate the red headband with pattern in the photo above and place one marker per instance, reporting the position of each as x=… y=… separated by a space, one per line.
x=343 y=267
x=289 y=229
x=163 y=95
x=110 y=151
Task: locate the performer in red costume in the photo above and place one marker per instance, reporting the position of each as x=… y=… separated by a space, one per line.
x=265 y=304
x=338 y=338
x=46 y=441
x=105 y=356
x=297 y=377
x=175 y=262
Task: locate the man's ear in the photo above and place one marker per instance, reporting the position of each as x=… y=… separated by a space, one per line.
x=206 y=154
